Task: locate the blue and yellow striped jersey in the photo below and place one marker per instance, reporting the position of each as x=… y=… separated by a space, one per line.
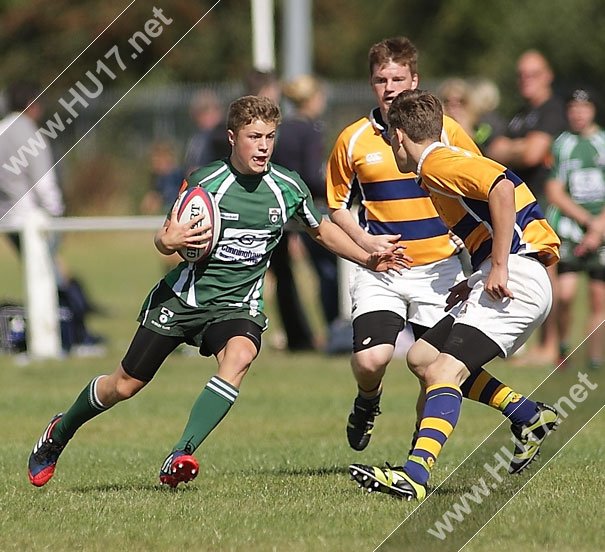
x=391 y=202
x=459 y=183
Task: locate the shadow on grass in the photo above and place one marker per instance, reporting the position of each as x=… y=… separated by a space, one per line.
x=299 y=471
x=282 y=471
x=432 y=492
x=136 y=487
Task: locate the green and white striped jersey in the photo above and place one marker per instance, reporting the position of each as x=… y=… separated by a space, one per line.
x=579 y=162
x=253 y=211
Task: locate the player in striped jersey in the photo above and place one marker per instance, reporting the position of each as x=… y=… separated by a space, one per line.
x=394 y=210
x=576 y=193
x=504 y=300
x=216 y=304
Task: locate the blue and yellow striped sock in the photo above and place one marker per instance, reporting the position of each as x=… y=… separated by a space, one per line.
x=441 y=412
x=482 y=387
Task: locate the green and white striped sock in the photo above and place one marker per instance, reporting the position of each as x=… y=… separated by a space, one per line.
x=85 y=407
x=208 y=410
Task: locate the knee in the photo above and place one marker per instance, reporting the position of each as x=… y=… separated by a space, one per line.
x=564 y=302
x=418 y=359
x=243 y=358
x=127 y=387
x=235 y=364
x=372 y=361
x=445 y=369
x=117 y=387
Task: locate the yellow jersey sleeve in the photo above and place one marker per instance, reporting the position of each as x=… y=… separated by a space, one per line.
x=340 y=170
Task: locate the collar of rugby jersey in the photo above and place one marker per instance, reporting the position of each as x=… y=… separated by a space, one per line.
x=245 y=177
x=426 y=152
x=379 y=124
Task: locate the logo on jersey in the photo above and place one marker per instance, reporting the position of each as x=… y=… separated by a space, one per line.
x=229 y=216
x=243 y=245
x=164 y=319
x=274 y=215
x=373 y=158
x=166 y=314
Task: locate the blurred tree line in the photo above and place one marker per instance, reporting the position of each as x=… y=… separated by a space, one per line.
x=462 y=37
x=112 y=46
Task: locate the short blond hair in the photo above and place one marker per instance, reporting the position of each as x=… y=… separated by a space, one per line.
x=301 y=89
x=247 y=109
x=454 y=87
x=485 y=95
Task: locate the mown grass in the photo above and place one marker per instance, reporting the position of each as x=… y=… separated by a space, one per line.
x=273 y=475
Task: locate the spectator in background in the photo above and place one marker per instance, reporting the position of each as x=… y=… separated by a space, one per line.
x=263 y=83
x=488 y=123
x=473 y=104
x=300 y=147
x=525 y=148
x=208 y=142
x=294 y=319
x=35 y=186
x=576 y=192
x=166 y=179
x=455 y=95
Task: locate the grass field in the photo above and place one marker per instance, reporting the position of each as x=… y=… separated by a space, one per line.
x=273 y=475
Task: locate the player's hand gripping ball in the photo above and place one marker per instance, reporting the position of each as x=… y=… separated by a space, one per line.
x=190 y=204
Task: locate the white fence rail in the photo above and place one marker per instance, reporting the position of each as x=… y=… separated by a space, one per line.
x=41 y=303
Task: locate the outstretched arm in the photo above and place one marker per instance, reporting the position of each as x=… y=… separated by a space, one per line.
x=332 y=237
x=370 y=243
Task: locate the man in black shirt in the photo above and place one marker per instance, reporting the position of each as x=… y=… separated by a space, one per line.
x=525 y=148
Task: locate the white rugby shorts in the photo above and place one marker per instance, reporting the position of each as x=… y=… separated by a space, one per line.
x=417 y=295
x=509 y=322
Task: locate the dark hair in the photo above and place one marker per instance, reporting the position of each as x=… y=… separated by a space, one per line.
x=398 y=49
x=20 y=94
x=255 y=80
x=247 y=109
x=418 y=113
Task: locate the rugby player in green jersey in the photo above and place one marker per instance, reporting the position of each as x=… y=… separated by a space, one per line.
x=576 y=194
x=216 y=304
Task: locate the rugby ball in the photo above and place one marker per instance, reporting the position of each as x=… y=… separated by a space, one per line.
x=190 y=204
